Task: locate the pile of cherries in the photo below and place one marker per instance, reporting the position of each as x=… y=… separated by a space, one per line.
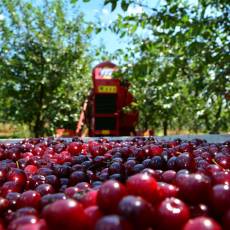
x=141 y=183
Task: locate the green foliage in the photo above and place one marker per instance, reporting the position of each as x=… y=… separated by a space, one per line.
x=180 y=60
x=44 y=65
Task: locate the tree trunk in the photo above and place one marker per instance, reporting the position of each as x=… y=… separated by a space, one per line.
x=165 y=127
x=215 y=128
x=38 y=129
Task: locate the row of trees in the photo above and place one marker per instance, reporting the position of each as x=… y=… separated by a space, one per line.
x=179 y=58
x=177 y=63
x=44 y=64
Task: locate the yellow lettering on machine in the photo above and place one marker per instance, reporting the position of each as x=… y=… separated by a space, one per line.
x=107 y=89
x=105 y=132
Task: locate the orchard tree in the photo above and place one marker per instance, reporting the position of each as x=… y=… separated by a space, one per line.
x=179 y=58
x=44 y=63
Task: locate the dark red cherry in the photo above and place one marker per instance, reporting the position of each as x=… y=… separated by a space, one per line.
x=109 y=194
x=172 y=213
x=202 y=223
x=64 y=214
x=29 y=199
x=143 y=185
x=112 y=222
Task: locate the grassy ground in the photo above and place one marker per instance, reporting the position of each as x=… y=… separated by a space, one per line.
x=9 y=130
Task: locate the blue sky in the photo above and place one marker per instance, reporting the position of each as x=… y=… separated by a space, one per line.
x=96 y=11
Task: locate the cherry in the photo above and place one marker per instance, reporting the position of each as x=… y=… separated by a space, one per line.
x=36 y=180
x=70 y=191
x=45 y=171
x=194 y=188
x=89 y=198
x=199 y=210
x=53 y=180
x=78 y=176
x=112 y=222
x=202 y=223
x=31 y=169
x=138 y=211
x=3 y=175
x=157 y=162
x=220 y=198
x=44 y=189
x=25 y=212
x=222 y=177
x=18 y=176
x=74 y=148
x=62 y=170
x=93 y=214
x=13 y=198
x=226 y=220
x=109 y=194
x=4 y=204
x=165 y=190
x=21 y=221
x=10 y=186
x=29 y=199
x=83 y=185
x=142 y=185
x=50 y=198
x=184 y=161
x=172 y=213
x=155 y=150
x=168 y=176
x=64 y=214
x=39 y=225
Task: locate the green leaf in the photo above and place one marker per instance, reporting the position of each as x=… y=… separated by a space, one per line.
x=114 y=5
x=74 y=1
x=124 y=5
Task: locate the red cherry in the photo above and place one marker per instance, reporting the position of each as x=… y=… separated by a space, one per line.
x=31 y=169
x=165 y=190
x=93 y=214
x=202 y=223
x=29 y=199
x=18 y=176
x=64 y=214
x=89 y=199
x=109 y=194
x=75 y=148
x=194 y=187
x=142 y=185
x=4 y=204
x=172 y=213
x=155 y=150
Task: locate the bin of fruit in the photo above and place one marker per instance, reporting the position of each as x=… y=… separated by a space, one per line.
x=115 y=183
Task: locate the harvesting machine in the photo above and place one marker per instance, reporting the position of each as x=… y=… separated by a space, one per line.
x=103 y=111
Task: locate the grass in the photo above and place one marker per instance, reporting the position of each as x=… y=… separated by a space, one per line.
x=10 y=130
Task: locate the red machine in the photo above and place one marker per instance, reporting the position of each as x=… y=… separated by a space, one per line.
x=103 y=110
